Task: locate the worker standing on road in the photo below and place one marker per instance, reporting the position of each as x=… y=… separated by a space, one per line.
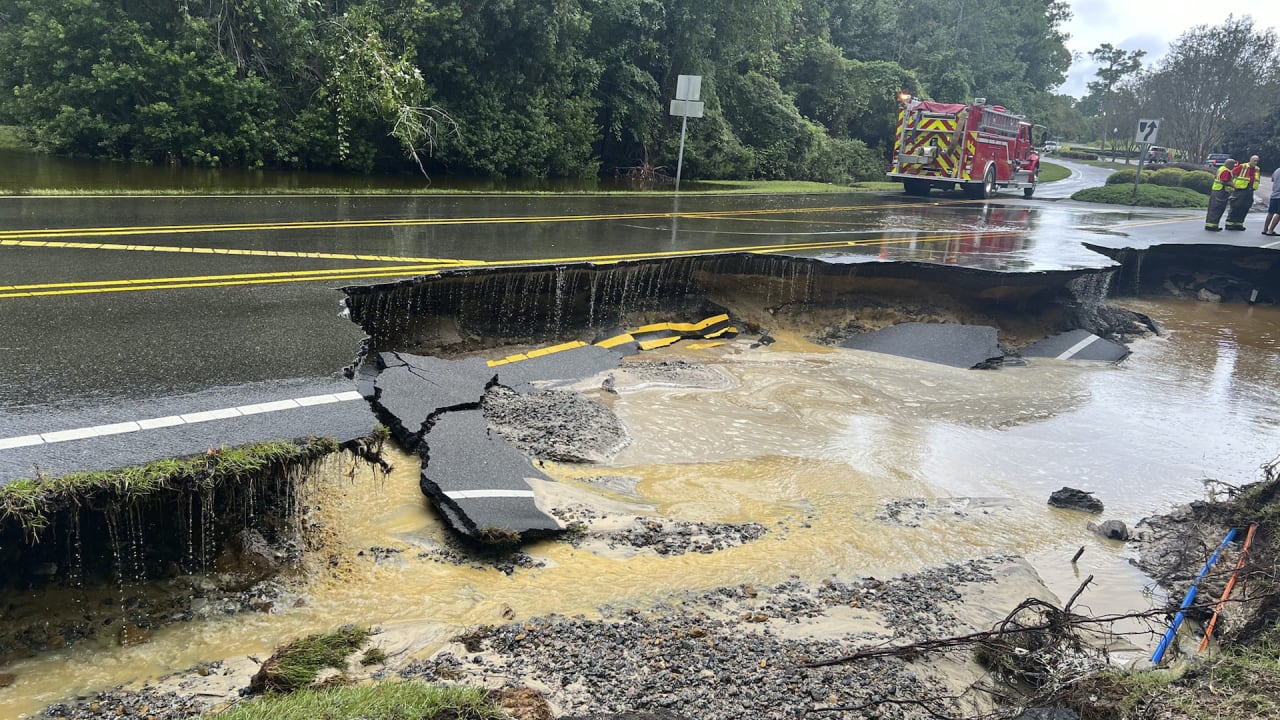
x=1246 y=181
x=1222 y=188
x=1273 y=208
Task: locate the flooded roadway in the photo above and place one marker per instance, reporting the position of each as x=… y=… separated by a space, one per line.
x=809 y=442
x=808 y=436
x=99 y=292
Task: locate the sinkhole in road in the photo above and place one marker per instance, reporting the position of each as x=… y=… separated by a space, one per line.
x=745 y=461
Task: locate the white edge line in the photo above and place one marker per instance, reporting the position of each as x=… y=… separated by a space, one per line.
x=472 y=494
x=85 y=433
x=267 y=407
x=65 y=435
x=161 y=422
x=206 y=416
x=317 y=400
x=1071 y=351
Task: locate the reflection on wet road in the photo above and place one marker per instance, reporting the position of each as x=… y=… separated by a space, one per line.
x=141 y=296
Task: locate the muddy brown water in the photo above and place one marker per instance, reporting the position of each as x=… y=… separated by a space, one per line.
x=810 y=442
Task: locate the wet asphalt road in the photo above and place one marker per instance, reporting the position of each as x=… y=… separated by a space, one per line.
x=111 y=299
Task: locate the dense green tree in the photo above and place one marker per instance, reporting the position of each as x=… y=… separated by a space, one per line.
x=1212 y=81
x=1109 y=94
x=1059 y=116
x=793 y=88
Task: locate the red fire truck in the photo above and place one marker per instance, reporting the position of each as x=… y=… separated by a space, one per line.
x=979 y=148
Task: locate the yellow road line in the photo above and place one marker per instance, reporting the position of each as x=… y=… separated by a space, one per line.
x=33 y=234
x=219 y=251
x=201 y=281
x=175 y=286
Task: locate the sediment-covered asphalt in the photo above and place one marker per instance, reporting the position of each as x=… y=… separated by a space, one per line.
x=48 y=441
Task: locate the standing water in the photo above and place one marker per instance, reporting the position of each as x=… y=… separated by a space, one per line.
x=856 y=463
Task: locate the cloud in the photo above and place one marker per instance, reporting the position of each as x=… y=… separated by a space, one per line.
x=1145 y=26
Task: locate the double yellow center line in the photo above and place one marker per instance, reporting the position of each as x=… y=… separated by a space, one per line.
x=433 y=267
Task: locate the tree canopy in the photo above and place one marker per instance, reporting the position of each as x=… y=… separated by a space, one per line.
x=799 y=89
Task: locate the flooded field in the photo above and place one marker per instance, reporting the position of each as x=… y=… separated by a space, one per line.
x=855 y=464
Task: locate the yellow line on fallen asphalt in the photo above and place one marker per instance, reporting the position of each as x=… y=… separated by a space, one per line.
x=204 y=281
x=59 y=244
x=35 y=234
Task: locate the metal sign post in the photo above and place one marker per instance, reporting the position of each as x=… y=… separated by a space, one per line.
x=686 y=105
x=1148 y=130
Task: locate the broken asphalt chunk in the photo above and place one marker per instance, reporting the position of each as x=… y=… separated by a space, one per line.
x=962 y=346
x=476 y=477
x=411 y=388
x=1077 y=345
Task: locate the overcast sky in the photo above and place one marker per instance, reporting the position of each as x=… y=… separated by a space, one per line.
x=1147 y=25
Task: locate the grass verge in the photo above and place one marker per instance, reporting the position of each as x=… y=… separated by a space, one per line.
x=1148 y=195
x=1049 y=172
x=31 y=502
x=393 y=700
x=698 y=187
x=296 y=665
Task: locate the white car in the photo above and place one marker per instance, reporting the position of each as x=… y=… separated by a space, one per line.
x=1049 y=148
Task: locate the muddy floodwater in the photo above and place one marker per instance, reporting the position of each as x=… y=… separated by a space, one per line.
x=855 y=463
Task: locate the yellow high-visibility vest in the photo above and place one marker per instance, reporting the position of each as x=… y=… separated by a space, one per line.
x=1223 y=179
x=1246 y=177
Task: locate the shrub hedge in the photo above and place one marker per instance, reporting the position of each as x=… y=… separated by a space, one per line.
x=1148 y=195
x=1199 y=180
x=1125 y=177
x=1168 y=177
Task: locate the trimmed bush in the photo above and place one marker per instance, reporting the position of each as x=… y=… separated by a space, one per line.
x=1199 y=180
x=1077 y=155
x=1168 y=177
x=1125 y=177
x=1149 y=195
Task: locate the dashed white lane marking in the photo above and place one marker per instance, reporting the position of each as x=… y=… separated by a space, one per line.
x=471 y=494
x=1071 y=351
x=172 y=420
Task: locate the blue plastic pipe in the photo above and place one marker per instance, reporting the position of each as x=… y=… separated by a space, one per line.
x=1186 y=602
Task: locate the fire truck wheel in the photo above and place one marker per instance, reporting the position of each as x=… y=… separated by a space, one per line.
x=1027 y=192
x=989 y=182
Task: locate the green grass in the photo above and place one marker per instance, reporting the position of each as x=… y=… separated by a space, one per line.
x=1049 y=172
x=11 y=138
x=1148 y=196
x=878 y=186
x=31 y=501
x=295 y=666
x=393 y=700
x=765 y=186
x=698 y=187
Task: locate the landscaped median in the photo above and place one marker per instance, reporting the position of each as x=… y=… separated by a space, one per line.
x=1166 y=188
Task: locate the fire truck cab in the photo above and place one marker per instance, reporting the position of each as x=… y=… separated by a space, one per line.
x=978 y=148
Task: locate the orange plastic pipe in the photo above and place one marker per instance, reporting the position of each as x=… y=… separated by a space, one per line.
x=1208 y=631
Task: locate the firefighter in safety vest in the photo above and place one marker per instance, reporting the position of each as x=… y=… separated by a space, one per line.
x=1223 y=185
x=1245 y=181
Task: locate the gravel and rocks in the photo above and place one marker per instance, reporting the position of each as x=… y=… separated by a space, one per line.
x=663 y=536
x=505 y=561
x=555 y=425
x=638 y=374
x=730 y=653
x=118 y=703
x=912 y=512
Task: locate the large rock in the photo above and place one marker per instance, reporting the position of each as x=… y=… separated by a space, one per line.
x=1111 y=529
x=1073 y=499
